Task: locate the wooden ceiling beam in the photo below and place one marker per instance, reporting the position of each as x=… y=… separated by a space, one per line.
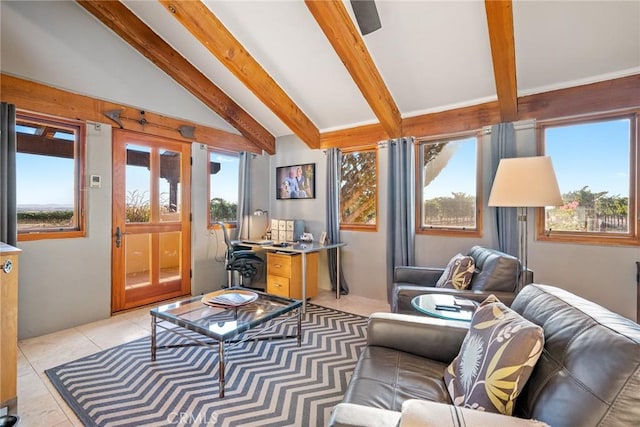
x=207 y=28
x=130 y=28
x=617 y=94
x=503 y=54
x=354 y=137
x=611 y=95
x=334 y=20
x=43 y=99
x=462 y=119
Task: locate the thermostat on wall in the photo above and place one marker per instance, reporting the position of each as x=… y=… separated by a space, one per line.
x=96 y=181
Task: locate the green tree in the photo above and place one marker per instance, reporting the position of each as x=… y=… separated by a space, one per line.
x=222 y=210
x=358 y=188
x=457 y=209
x=584 y=210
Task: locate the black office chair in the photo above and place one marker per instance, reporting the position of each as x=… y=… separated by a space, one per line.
x=240 y=258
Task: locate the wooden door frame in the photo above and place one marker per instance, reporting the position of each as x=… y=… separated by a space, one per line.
x=121 y=137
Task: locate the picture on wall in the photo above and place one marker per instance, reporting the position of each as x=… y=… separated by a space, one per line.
x=296 y=182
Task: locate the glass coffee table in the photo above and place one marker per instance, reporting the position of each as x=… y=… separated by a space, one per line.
x=225 y=326
x=445 y=306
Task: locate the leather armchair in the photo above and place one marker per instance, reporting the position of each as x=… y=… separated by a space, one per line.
x=496 y=273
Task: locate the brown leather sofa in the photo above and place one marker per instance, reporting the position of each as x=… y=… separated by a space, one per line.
x=496 y=273
x=587 y=375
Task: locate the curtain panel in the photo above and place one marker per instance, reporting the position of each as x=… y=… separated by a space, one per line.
x=8 y=210
x=401 y=225
x=244 y=195
x=334 y=159
x=503 y=145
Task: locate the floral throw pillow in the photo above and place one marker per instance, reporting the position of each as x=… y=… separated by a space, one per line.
x=495 y=360
x=458 y=273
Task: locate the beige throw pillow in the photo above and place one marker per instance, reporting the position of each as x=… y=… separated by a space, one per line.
x=495 y=360
x=458 y=273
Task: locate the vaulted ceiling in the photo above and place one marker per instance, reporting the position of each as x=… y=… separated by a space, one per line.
x=272 y=68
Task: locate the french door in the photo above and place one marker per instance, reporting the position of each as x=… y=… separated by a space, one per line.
x=151 y=235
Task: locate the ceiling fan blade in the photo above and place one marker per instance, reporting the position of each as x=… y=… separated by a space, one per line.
x=366 y=15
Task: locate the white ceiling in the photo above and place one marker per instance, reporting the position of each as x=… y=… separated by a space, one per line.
x=432 y=55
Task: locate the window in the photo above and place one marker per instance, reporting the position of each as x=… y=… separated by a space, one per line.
x=448 y=183
x=223 y=187
x=49 y=177
x=359 y=189
x=595 y=162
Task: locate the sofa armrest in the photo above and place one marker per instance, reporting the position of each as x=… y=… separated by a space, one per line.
x=423 y=413
x=428 y=337
x=421 y=276
x=351 y=415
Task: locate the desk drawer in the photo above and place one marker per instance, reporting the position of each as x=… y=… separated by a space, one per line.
x=279 y=265
x=278 y=285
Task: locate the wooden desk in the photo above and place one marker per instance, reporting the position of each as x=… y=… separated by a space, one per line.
x=8 y=327
x=284 y=274
x=304 y=249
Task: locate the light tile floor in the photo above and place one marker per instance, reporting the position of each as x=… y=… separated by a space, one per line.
x=39 y=404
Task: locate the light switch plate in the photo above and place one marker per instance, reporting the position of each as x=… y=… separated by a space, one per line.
x=95 y=181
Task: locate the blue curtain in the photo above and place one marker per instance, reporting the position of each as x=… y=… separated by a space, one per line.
x=244 y=195
x=503 y=145
x=8 y=213
x=334 y=158
x=401 y=225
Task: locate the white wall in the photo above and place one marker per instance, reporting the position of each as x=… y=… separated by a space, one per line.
x=60 y=44
x=290 y=150
x=67 y=282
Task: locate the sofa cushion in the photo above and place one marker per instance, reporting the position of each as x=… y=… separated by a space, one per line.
x=495 y=360
x=589 y=371
x=458 y=273
x=420 y=413
x=385 y=378
x=495 y=270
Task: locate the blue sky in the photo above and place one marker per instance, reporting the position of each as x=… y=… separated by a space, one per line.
x=457 y=176
x=44 y=180
x=593 y=154
x=224 y=184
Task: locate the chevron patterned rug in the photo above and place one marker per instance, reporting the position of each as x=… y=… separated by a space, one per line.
x=269 y=383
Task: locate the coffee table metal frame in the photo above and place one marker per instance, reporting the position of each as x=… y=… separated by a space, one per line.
x=225 y=324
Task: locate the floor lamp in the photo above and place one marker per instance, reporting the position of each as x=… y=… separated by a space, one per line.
x=525 y=182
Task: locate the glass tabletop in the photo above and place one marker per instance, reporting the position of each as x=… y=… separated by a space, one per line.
x=222 y=323
x=445 y=306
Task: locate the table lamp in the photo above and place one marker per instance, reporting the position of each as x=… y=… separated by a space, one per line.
x=525 y=182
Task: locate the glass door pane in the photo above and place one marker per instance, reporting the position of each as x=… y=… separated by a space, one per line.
x=169 y=185
x=137 y=261
x=170 y=258
x=138 y=184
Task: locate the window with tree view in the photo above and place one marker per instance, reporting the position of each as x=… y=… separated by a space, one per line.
x=359 y=189
x=448 y=179
x=594 y=162
x=223 y=187
x=49 y=171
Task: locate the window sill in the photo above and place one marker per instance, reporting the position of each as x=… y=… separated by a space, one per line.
x=44 y=235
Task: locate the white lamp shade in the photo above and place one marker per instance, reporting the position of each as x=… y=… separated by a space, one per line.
x=525 y=182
